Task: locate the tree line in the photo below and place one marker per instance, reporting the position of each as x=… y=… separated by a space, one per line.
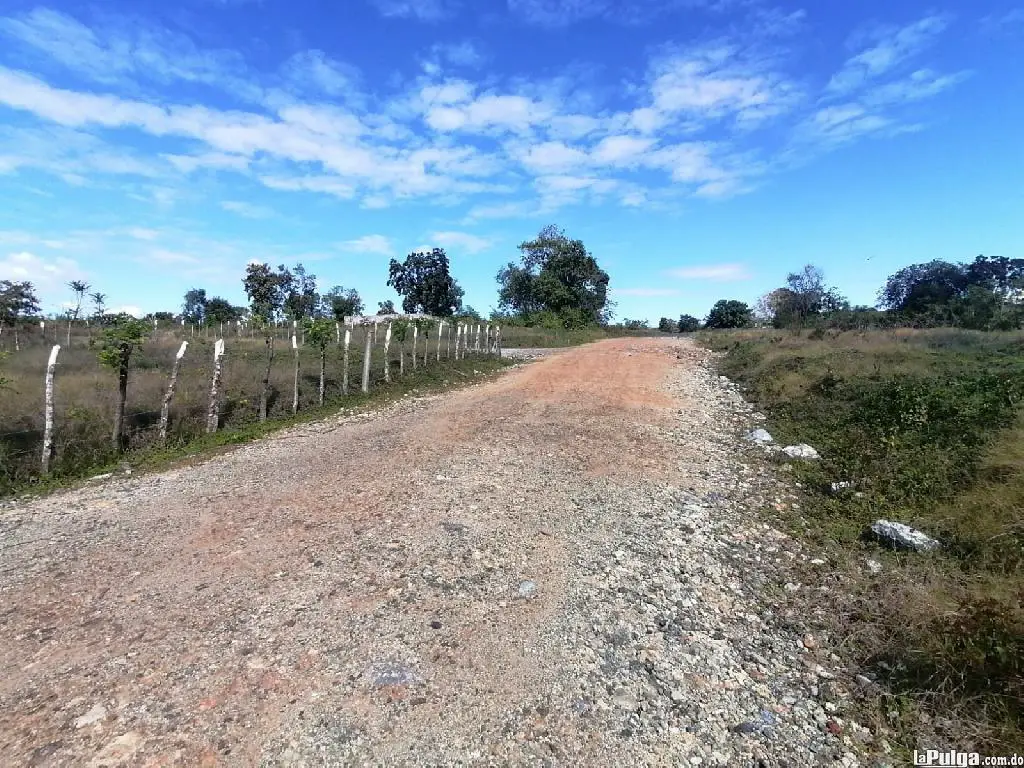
x=986 y=294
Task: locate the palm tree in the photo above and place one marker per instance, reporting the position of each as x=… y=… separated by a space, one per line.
x=99 y=300
x=78 y=287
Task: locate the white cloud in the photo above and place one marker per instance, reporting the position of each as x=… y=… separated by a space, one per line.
x=47 y=275
x=423 y=10
x=920 y=84
x=713 y=272
x=461 y=241
x=718 y=81
x=315 y=72
x=560 y=13
x=125 y=52
x=886 y=48
x=127 y=309
x=377 y=244
x=246 y=210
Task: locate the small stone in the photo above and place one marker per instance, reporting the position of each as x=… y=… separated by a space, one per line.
x=760 y=437
x=94 y=715
x=810 y=643
x=862 y=681
x=833 y=727
x=873 y=565
x=527 y=589
x=745 y=728
x=801 y=451
x=435 y=624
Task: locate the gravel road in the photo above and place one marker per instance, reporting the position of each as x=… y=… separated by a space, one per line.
x=566 y=565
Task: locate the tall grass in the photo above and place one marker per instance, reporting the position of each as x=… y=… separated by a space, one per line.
x=929 y=427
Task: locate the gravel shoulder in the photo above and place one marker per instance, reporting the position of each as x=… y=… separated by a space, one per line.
x=562 y=566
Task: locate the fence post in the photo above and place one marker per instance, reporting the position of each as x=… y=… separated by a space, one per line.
x=344 y=373
x=448 y=345
x=415 y=341
x=295 y=388
x=387 y=352
x=367 y=354
x=497 y=340
x=165 y=409
x=440 y=333
x=213 y=414
x=48 y=429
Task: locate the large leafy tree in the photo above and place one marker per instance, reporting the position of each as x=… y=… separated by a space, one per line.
x=729 y=313
x=386 y=307
x=340 y=303
x=555 y=274
x=220 y=310
x=17 y=301
x=425 y=283
x=688 y=324
x=922 y=288
x=301 y=299
x=194 y=307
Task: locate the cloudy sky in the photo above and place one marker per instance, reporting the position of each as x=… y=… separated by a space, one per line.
x=700 y=148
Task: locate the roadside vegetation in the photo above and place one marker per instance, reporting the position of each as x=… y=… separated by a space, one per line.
x=924 y=425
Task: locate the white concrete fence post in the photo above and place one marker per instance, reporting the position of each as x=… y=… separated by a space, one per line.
x=344 y=363
x=48 y=404
x=213 y=412
x=165 y=408
x=295 y=388
x=367 y=354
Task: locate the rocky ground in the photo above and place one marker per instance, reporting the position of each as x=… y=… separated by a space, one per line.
x=568 y=565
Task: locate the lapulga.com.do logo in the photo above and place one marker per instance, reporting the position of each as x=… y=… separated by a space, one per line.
x=934 y=757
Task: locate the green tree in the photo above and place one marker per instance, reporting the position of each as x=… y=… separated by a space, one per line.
x=17 y=301
x=118 y=341
x=99 y=303
x=220 y=310
x=665 y=325
x=634 y=325
x=425 y=283
x=386 y=308
x=340 y=303
x=301 y=299
x=78 y=288
x=195 y=306
x=266 y=291
x=922 y=289
x=688 y=324
x=319 y=332
x=555 y=274
x=729 y=313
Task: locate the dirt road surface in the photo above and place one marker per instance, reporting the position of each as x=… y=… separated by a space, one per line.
x=561 y=566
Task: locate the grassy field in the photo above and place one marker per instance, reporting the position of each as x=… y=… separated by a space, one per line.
x=928 y=426
x=85 y=394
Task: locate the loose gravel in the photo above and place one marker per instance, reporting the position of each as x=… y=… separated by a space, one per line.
x=569 y=565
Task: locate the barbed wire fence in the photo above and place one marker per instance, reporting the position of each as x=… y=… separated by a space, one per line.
x=85 y=392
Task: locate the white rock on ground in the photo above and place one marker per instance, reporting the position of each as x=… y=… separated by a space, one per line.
x=801 y=451
x=760 y=436
x=902 y=536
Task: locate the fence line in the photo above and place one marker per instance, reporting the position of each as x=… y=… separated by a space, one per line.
x=196 y=391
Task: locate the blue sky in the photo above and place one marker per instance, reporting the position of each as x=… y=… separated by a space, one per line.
x=700 y=148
